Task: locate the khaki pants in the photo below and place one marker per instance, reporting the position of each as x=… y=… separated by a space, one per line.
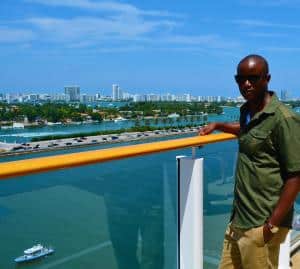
x=246 y=249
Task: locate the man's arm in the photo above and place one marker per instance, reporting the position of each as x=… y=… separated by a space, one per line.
x=232 y=128
x=287 y=198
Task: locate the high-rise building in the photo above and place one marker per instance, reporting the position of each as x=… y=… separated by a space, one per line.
x=85 y=98
x=98 y=96
x=126 y=96
x=115 y=92
x=139 y=98
x=284 y=95
x=187 y=97
x=153 y=97
x=60 y=97
x=73 y=92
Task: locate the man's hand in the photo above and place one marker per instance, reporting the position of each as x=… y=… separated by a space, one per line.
x=267 y=234
x=207 y=129
x=232 y=128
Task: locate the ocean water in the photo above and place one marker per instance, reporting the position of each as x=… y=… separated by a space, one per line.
x=115 y=215
x=119 y=214
x=24 y=135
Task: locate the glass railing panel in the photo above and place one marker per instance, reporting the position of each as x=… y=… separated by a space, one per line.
x=295 y=235
x=219 y=168
x=115 y=215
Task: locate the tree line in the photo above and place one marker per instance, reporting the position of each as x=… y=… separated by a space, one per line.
x=62 y=112
x=52 y=112
x=165 y=108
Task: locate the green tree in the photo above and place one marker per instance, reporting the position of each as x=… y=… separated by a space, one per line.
x=76 y=117
x=96 y=116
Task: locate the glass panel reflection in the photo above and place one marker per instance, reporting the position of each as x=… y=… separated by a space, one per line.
x=115 y=215
x=219 y=169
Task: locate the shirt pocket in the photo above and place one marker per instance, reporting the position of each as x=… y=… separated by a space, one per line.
x=255 y=141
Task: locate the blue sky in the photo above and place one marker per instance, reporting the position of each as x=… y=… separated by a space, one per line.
x=145 y=46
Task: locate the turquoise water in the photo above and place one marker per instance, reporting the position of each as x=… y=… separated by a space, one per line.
x=24 y=135
x=120 y=214
x=115 y=215
x=101 y=216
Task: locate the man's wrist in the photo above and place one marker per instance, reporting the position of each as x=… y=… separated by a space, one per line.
x=218 y=126
x=271 y=227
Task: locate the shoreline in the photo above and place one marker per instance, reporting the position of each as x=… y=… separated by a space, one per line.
x=89 y=141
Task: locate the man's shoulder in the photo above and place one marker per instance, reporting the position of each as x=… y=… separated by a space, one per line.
x=284 y=112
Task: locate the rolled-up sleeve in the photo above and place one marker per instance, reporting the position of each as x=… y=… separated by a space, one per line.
x=288 y=143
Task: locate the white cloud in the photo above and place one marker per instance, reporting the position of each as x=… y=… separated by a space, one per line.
x=122 y=27
x=88 y=32
x=96 y=29
x=8 y=35
x=268 y=35
x=118 y=21
x=213 y=41
x=272 y=3
x=106 y=6
x=261 y=23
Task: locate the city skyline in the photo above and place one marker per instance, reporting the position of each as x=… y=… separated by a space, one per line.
x=145 y=46
x=73 y=93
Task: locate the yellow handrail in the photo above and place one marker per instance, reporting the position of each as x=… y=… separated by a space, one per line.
x=30 y=166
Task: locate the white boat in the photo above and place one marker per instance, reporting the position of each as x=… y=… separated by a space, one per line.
x=173 y=115
x=18 y=125
x=119 y=119
x=34 y=252
x=34 y=249
x=49 y=123
x=6 y=127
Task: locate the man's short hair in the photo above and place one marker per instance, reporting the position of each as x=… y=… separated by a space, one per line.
x=257 y=58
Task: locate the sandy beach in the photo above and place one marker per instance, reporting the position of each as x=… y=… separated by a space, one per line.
x=7 y=149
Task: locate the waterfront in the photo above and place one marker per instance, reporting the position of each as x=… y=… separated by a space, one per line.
x=26 y=134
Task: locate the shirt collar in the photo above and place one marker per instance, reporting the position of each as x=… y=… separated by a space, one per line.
x=270 y=108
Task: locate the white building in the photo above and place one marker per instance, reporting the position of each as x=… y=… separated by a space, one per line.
x=167 y=97
x=188 y=97
x=73 y=92
x=98 y=96
x=60 y=97
x=45 y=97
x=84 y=98
x=126 y=96
x=284 y=95
x=117 y=93
x=139 y=98
x=153 y=97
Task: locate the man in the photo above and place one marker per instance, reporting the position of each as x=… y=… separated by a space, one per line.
x=267 y=178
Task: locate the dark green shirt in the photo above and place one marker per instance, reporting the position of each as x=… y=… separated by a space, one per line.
x=269 y=149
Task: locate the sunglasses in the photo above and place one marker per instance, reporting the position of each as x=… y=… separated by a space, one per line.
x=251 y=78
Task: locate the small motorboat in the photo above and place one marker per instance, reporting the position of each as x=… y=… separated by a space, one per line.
x=35 y=252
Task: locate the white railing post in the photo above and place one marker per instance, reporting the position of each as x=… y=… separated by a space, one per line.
x=284 y=253
x=190 y=213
